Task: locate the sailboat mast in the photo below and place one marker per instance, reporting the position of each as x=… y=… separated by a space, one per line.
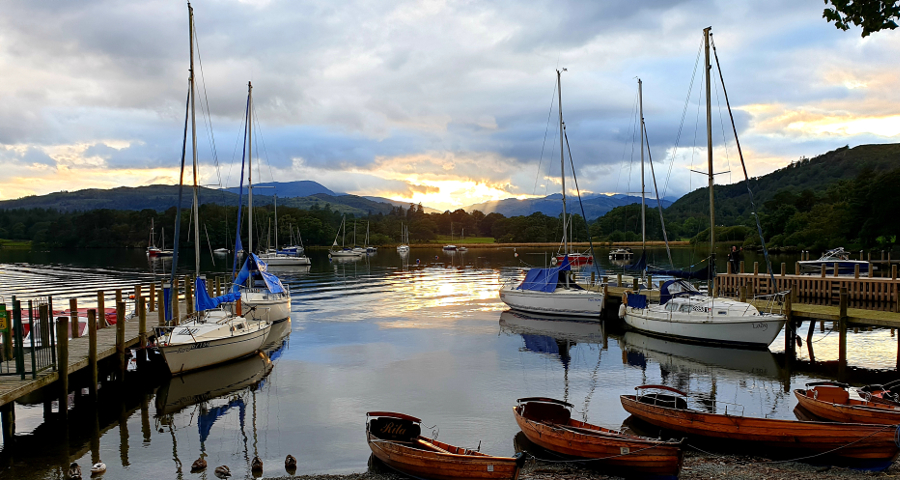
x=562 y=162
x=643 y=188
x=194 y=150
x=709 y=156
x=276 y=223
x=250 y=164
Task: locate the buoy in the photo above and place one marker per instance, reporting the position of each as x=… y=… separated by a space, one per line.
x=98 y=468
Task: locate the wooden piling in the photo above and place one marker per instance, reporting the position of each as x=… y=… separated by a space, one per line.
x=842 y=342
x=138 y=291
x=8 y=419
x=101 y=309
x=118 y=296
x=593 y=278
x=796 y=268
x=789 y=333
x=62 y=361
x=73 y=317
x=142 y=321
x=120 y=338
x=822 y=271
x=218 y=286
x=650 y=282
x=755 y=268
x=743 y=293
x=634 y=284
x=783 y=269
x=619 y=280
x=728 y=268
x=151 y=302
x=893 y=272
x=161 y=308
x=741 y=267
x=92 y=354
x=856 y=271
x=605 y=295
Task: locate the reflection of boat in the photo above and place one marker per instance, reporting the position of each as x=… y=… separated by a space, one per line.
x=680 y=357
x=684 y=312
x=196 y=387
x=396 y=441
x=834 y=257
x=621 y=253
x=559 y=328
x=549 y=424
x=869 y=447
x=832 y=401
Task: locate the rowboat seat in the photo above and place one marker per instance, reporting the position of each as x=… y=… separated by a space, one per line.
x=829 y=393
x=663 y=400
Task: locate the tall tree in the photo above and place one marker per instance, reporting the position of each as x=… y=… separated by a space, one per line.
x=871 y=15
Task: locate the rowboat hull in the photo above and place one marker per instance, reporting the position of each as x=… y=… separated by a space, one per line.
x=577 y=303
x=846 y=410
x=442 y=466
x=866 y=447
x=611 y=450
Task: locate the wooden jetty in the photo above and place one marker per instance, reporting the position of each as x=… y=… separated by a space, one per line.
x=20 y=378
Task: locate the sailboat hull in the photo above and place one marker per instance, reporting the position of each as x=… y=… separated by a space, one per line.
x=754 y=331
x=192 y=356
x=270 y=307
x=577 y=303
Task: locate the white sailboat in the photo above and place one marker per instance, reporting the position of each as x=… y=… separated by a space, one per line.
x=553 y=290
x=278 y=259
x=211 y=334
x=342 y=250
x=403 y=248
x=683 y=312
x=258 y=287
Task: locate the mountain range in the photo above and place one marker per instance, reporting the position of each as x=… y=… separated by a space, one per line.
x=594 y=206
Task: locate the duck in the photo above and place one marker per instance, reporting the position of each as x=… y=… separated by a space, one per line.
x=290 y=464
x=199 y=464
x=256 y=465
x=74 y=472
x=223 y=471
x=98 y=468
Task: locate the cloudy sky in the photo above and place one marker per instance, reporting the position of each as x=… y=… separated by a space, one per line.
x=440 y=102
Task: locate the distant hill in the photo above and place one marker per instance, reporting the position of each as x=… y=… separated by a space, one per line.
x=163 y=197
x=300 y=188
x=816 y=174
x=594 y=206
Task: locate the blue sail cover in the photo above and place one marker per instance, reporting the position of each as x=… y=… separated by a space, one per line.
x=254 y=266
x=545 y=279
x=641 y=264
x=204 y=302
x=167 y=303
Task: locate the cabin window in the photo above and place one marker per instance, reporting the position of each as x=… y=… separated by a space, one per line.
x=671 y=307
x=686 y=308
x=723 y=312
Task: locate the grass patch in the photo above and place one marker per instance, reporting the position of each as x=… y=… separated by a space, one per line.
x=15 y=244
x=445 y=239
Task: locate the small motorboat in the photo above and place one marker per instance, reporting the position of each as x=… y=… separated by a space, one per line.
x=548 y=423
x=396 y=441
x=577 y=259
x=836 y=258
x=860 y=446
x=831 y=401
x=621 y=253
x=888 y=393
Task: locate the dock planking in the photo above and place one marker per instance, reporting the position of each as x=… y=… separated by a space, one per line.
x=13 y=387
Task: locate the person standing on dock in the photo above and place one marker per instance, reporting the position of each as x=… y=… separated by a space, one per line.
x=734 y=256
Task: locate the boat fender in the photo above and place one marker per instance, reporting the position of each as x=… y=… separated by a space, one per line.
x=622 y=311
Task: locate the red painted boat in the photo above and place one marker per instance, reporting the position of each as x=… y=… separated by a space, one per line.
x=548 y=423
x=396 y=441
x=576 y=259
x=863 y=446
x=831 y=401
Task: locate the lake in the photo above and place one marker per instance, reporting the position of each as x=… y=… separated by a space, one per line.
x=429 y=338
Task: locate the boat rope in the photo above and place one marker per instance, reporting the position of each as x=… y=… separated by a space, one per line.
x=594 y=265
x=546 y=130
x=187 y=112
x=687 y=102
x=737 y=142
x=593 y=459
x=662 y=222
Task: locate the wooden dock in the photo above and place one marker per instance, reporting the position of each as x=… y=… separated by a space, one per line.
x=13 y=387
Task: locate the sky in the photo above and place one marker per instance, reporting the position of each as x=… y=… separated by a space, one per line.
x=442 y=103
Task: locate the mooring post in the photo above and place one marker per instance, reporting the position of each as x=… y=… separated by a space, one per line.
x=151 y=301
x=62 y=357
x=593 y=277
x=822 y=271
x=871 y=273
x=142 y=321
x=118 y=297
x=728 y=268
x=138 y=291
x=755 y=268
x=783 y=268
x=893 y=272
x=73 y=317
x=92 y=354
x=120 y=338
x=6 y=329
x=743 y=293
x=101 y=310
x=856 y=271
x=634 y=284
x=741 y=267
x=605 y=296
x=790 y=330
x=218 y=286
x=796 y=268
x=619 y=280
x=650 y=281
x=842 y=342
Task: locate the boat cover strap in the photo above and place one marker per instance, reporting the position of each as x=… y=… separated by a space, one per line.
x=254 y=265
x=204 y=302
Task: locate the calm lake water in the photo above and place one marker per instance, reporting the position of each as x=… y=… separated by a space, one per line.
x=385 y=333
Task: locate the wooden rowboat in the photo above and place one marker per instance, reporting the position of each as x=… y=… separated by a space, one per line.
x=862 y=446
x=888 y=393
x=832 y=401
x=548 y=423
x=395 y=440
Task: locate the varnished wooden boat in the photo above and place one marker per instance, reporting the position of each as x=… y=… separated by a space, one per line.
x=548 y=423
x=862 y=446
x=396 y=441
x=832 y=401
x=888 y=393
